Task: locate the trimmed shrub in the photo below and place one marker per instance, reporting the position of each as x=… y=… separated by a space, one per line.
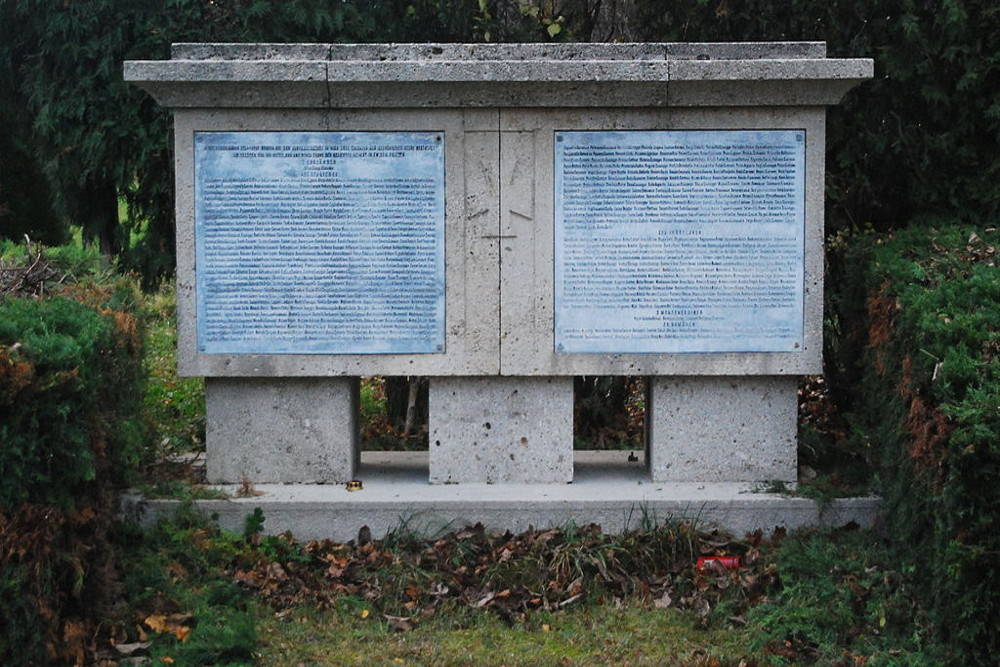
x=928 y=412
x=69 y=378
x=70 y=433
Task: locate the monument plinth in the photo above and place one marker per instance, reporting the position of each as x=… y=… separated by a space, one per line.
x=500 y=218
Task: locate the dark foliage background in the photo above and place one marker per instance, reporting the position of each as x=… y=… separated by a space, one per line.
x=923 y=136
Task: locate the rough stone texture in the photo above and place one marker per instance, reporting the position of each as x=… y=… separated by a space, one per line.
x=759 y=93
x=512 y=71
x=288 y=430
x=606 y=490
x=241 y=71
x=248 y=84
x=764 y=82
x=229 y=51
x=526 y=214
x=539 y=51
x=485 y=94
x=744 y=50
x=501 y=430
x=496 y=75
x=823 y=69
x=722 y=429
x=471 y=243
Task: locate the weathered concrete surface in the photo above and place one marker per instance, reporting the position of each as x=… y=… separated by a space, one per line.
x=501 y=430
x=498 y=106
x=509 y=241
x=722 y=429
x=287 y=430
x=533 y=51
x=494 y=75
x=606 y=490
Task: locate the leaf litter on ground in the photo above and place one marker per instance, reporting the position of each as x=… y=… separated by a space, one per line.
x=811 y=597
x=406 y=578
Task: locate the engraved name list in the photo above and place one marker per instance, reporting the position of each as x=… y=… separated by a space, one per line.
x=320 y=242
x=679 y=241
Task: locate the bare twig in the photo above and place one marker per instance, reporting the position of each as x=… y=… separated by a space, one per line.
x=30 y=280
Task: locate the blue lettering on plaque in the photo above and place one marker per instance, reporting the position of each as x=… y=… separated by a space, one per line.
x=320 y=242
x=679 y=241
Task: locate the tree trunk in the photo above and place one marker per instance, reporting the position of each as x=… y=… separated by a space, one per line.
x=613 y=20
x=406 y=402
x=412 y=412
x=397 y=392
x=97 y=212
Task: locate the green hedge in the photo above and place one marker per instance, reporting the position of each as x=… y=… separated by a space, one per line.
x=69 y=390
x=928 y=411
x=71 y=433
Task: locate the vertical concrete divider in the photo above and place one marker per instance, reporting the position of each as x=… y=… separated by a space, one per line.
x=501 y=430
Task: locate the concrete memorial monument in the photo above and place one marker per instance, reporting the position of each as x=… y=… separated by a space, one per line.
x=500 y=218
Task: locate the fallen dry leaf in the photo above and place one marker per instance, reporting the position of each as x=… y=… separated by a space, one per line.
x=156 y=622
x=400 y=623
x=172 y=624
x=134 y=647
x=702 y=607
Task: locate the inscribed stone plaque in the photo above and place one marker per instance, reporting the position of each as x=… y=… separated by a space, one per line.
x=320 y=242
x=679 y=241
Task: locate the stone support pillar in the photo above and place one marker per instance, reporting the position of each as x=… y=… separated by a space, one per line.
x=501 y=429
x=269 y=430
x=722 y=428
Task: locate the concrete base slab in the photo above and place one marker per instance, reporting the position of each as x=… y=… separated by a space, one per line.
x=281 y=429
x=501 y=430
x=607 y=490
x=722 y=429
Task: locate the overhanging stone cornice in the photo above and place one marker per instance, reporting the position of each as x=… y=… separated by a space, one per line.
x=497 y=75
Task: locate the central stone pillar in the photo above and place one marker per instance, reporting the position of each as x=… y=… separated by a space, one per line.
x=501 y=429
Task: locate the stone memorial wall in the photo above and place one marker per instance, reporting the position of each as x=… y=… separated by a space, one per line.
x=500 y=218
